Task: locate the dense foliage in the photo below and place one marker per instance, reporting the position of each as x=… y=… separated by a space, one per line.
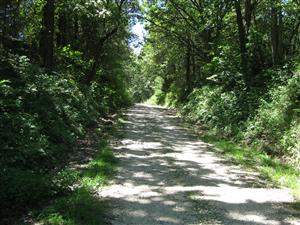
x=231 y=66
x=63 y=64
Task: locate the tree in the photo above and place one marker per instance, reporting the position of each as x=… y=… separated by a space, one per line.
x=47 y=34
x=223 y=39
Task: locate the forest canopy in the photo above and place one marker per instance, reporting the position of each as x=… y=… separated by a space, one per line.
x=232 y=67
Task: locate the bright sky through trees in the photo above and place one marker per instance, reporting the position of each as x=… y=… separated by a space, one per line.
x=137 y=43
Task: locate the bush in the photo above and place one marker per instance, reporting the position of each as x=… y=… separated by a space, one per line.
x=276 y=125
x=42 y=114
x=158 y=96
x=215 y=108
x=269 y=121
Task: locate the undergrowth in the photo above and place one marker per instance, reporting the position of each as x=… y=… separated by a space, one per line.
x=268 y=121
x=82 y=206
x=42 y=116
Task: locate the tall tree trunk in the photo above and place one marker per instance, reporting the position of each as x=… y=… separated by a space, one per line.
x=242 y=40
x=249 y=7
x=242 y=34
x=292 y=47
x=76 y=28
x=6 y=3
x=275 y=34
x=47 y=35
x=62 y=31
x=193 y=68
x=188 y=70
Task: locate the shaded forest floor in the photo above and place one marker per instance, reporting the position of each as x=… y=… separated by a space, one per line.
x=168 y=176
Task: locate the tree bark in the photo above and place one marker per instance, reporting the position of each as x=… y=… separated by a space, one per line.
x=291 y=47
x=47 y=35
x=6 y=3
x=242 y=35
x=188 y=70
x=249 y=7
x=4 y=34
x=193 y=68
x=275 y=34
x=62 y=31
x=244 y=25
x=76 y=28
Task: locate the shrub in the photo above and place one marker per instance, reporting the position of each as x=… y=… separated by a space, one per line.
x=270 y=121
x=276 y=125
x=215 y=108
x=42 y=114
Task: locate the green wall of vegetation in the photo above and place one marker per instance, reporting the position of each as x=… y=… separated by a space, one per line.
x=229 y=66
x=63 y=65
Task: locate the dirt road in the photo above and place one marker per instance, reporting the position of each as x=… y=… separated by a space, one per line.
x=168 y=176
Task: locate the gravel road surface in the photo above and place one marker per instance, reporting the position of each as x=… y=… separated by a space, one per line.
x=168 y=176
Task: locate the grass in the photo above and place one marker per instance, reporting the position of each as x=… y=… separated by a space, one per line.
x=82 y=206
x=273 y=169
x=99 y=169
x=151 y=101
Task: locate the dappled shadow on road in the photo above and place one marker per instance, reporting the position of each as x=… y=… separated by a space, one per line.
x=168 y=176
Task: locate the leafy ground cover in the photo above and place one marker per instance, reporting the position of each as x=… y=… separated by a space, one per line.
x=82 y=206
